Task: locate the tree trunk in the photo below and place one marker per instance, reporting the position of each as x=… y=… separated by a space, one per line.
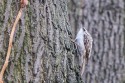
x=104 y=19
x=42 y=50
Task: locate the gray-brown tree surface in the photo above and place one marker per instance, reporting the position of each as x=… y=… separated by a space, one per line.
x=104 y=19
x=42 y=50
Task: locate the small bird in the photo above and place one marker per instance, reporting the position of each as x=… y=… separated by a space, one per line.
x=83 y=41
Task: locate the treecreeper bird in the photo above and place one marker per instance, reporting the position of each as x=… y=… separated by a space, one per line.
x=83 y=41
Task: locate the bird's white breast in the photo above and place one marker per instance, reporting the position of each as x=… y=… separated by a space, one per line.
x=79 y=38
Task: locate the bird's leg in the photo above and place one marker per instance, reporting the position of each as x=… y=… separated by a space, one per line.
x=72 y=40
x=76 y=45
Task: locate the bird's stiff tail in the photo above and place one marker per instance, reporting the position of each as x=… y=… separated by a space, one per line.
x=83 y=67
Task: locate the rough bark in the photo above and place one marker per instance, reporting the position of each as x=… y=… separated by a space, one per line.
x=42 y=50
x=104 y=19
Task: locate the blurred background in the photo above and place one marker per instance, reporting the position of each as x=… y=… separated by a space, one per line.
x=104 y=19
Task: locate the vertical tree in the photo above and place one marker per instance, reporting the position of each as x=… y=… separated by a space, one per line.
x=105 y=21
x=42 y=50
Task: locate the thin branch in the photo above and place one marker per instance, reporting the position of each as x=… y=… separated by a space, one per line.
x=10 y=44
x=23 y=4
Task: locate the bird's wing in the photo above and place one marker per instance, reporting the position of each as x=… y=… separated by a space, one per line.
x=88 y=44
x=88 y=47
